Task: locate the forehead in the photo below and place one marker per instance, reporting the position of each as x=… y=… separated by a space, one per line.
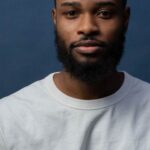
x=116 y=2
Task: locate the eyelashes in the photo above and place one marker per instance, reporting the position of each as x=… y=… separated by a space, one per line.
x=102 y=13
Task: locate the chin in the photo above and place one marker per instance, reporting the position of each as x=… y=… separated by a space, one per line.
x=86 y=58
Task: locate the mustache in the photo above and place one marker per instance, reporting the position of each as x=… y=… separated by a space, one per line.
x=88 y=41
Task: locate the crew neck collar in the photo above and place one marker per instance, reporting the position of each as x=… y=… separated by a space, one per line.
x=88 y=104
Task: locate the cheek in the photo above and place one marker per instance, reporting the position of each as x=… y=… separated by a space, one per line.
x=112 y=30
x=66 y=30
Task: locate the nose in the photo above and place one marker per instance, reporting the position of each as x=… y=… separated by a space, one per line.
x=88 y=26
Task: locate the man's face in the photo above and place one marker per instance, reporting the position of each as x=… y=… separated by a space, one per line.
x=90 y=36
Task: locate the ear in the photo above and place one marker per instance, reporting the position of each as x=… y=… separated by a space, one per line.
x=54 y=14
x=126 y=17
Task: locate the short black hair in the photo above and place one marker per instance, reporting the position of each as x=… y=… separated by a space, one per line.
x=123 y=1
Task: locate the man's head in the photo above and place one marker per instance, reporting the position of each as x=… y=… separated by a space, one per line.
x=90 y=36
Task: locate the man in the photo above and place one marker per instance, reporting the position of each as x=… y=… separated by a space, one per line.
x=89 y=105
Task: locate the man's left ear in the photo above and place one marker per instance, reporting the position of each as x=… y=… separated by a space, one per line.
x=54 y=15
x=126 y=17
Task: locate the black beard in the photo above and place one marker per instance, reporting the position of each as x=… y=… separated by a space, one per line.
x=91 y=73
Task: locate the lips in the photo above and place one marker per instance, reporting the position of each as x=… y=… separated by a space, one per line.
x=89 y=47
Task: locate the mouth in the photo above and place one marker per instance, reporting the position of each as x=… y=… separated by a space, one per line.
x=89 y=47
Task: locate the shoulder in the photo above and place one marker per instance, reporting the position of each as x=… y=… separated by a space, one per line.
x=22 y=112
x=29 y=92
x=141 y=87
x=138 y=96
x=138 y=85
x=22 y=100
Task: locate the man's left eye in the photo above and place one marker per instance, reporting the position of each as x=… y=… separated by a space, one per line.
x=71 y=14
x=104 y=14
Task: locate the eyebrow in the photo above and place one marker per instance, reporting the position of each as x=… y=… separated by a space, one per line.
x=73 y=4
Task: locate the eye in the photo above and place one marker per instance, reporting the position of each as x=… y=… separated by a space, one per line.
x=104 y=14
x=71 y=14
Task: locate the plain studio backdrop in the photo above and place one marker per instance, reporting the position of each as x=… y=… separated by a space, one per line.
x=27 y=50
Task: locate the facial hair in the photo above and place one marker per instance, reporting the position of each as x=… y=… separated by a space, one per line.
x=91 y=73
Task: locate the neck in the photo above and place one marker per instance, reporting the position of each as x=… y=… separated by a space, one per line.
x=73 y=87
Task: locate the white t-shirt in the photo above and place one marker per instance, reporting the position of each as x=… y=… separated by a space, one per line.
x=40 y=117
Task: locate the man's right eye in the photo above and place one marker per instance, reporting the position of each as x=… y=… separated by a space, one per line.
x=71 y=14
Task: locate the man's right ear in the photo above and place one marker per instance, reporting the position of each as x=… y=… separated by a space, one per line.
x=54 y=15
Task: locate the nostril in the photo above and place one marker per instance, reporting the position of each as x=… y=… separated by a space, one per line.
x=90 y=34
x=88 y=30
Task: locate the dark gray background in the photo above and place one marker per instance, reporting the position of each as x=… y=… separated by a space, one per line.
x=27 y=51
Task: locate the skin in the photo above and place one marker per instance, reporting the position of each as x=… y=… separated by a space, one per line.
x=101 y=18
